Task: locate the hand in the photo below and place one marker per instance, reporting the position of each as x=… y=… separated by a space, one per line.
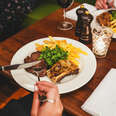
x=101 y=4
x=111 y=4
x=46 y=109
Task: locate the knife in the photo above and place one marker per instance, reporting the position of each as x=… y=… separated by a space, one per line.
x=19 y=66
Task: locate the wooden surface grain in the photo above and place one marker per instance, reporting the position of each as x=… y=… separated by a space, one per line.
x=48 y=26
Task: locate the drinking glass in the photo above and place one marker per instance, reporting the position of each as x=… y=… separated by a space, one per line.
x=101 y=38
x=65 y=25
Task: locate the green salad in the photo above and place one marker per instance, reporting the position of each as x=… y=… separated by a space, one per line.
x=51 y=56
x=113 y=12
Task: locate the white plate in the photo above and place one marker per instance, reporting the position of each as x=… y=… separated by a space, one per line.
x=95 y=23
x=69 y=83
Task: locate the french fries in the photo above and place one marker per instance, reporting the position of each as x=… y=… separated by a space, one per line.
x=113 y=25
x=74 y=52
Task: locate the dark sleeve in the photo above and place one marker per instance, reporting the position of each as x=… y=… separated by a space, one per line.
x=21 y=107
x=13 y=108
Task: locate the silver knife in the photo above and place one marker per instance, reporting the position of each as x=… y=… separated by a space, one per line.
x=19 y=66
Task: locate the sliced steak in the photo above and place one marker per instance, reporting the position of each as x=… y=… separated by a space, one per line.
x=39 y=69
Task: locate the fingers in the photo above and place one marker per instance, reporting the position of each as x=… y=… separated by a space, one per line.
x=35 y=104
x=104 y=3
x=45 y=83
x=101 y=4
x=47 y=108
x=50 y=89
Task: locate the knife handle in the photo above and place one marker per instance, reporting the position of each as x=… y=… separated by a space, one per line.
x=9 y=67
x=0 y=68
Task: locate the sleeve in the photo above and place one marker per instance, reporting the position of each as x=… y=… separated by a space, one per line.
x=21 y=107
x=13 y=108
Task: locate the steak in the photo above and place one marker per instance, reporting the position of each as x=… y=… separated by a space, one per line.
x=39 y=69
x=58 y=71
x=61 y=69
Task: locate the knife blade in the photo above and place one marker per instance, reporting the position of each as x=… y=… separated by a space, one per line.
x=19 y=66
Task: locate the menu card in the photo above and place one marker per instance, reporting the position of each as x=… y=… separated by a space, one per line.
x=102 y=102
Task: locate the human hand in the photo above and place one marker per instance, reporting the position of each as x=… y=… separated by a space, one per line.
x=101 y=4
x=47 y=108
x=104 y=4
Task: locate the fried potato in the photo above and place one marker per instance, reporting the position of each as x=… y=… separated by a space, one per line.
x=114 y=30
x=39 y=47
x=113 y=25
x=113 y=22
x=74 y=52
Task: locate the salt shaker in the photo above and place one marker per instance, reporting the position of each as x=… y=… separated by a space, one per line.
x=86 y=35
x=79 y=12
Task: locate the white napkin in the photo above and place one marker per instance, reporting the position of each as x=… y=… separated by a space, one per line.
x=102 y=102
x=71 y=14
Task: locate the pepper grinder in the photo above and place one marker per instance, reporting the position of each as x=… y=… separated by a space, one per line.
x=79 y=12
x=86 y=35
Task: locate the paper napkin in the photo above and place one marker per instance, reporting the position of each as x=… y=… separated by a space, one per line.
x=71 y=14
x=102 y=102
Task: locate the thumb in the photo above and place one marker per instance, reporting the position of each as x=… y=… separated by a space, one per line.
x=36 y=103
x=105 y=5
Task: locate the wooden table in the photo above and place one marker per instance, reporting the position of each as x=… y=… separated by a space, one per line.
x=47 y=26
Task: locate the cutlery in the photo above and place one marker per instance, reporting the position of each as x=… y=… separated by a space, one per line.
x=42 y=98
x=19 y=66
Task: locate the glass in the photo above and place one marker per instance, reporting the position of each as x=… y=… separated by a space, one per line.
x=101 y=38
x=65 y=25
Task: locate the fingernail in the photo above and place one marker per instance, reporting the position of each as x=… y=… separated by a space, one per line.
x=35 y=88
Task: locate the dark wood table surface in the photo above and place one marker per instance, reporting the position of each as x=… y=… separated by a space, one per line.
x=72 y=101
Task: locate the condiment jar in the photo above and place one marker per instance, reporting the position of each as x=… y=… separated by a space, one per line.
x=86 y=35
x=79 y=12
